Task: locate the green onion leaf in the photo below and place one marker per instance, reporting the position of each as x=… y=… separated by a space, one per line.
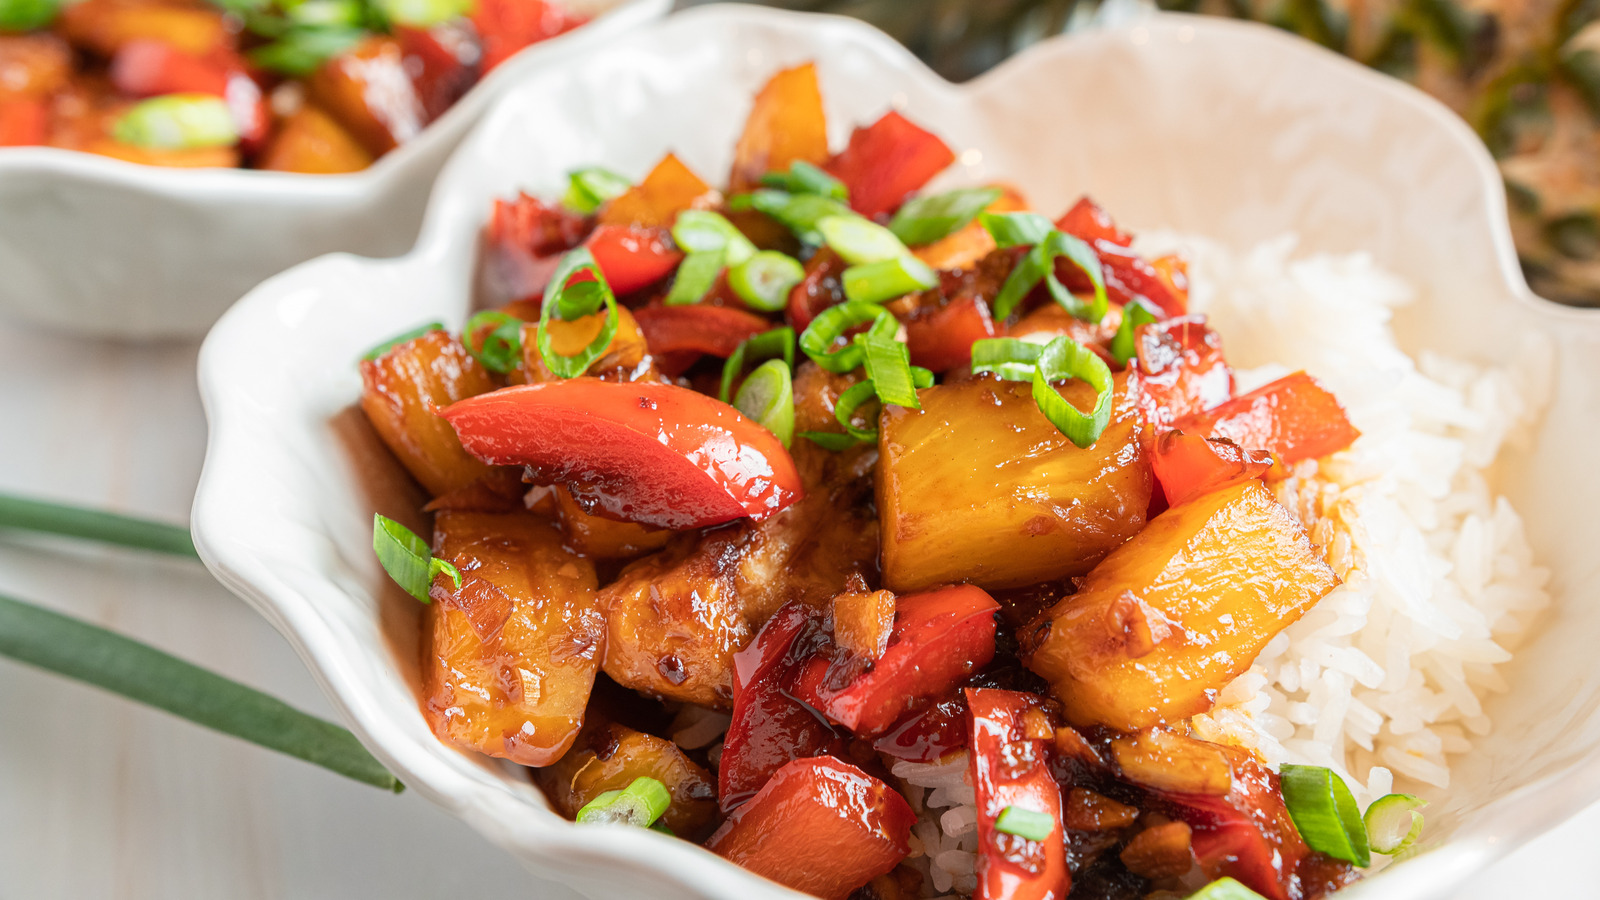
x=1225 y=889
x=703 y=231
x=858 y=240
x=301 y=51
x=407 y=558
x=88 y=653
x=404 y=337
x=818 y=340
x=1038 y=264
x=327 y=14
x=178 y=122
x=1017 y=229
x=805 y=178
x=574 y=300
x=26 y=15
x=888 y=364
x=422 y=13
x=764 y=280
x=696 y=276
x=1325 y=813
x=639 y=804
x=1065 y=358
x=1393 y=823
x=1135 y=314
x=876 y=282
x=1083 y=256
x=1025 y=823
x=767 y=396
x=92 y=524
x=773 y=344
x=1011 y=358
x=501 y=348
x=799 y=213
x=923 y=220
x=590 y=187
x=827 y=440
x=852 y=399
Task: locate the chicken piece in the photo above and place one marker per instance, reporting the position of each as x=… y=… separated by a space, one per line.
x=608 y=757
x=600 y=538
x=513 y=651
x=1168 y=619
x=979 y=486
x=368 y=90
x=401 y=391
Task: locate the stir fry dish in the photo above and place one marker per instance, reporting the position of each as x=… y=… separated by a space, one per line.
x=760 y=512
x=313 y=86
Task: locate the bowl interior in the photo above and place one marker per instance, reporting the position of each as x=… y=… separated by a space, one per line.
x=1227 y=130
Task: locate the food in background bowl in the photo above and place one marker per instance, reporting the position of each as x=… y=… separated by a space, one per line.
x=313 y=86
x=956 y=556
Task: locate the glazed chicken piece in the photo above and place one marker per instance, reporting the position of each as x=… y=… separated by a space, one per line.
x=609 y=756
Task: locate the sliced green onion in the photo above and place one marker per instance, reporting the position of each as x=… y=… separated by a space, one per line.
x=92 y=524
x=1135 y=314
x=767 y=396
x=778 y=343
x=764 y=281
x=703 y=231
x=1011 y=358
x=26 y=15
x=407 y=558
x=888 y=364
x=1065 y=358
x=1025 y=823
x=639 y=804
x=1038 y=264
x=923 y=220
x=422 y=13
x=818 y=340
x=696 y=276
x=301 y=51
x=858 y=240
x=1017 y=229
x=827 y=440
x=590 y=187
x=178 y=122
x=88 y=653
x=876 y=282
x=1225 y=889
x=1393 y=823
x=805 y=178
x=574 y=300
x=800 y=213
x=327 y=14
x=1325 y=813
x=852 y=399
x=405 y=337
x=501 y=348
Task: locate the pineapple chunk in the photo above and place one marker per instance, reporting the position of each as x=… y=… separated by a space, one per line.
x=513 y=652
x=978 y=486
x=401 y=391
x=610 y=757
x=1166 y=621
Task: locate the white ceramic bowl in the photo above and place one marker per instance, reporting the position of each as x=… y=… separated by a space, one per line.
x=1230 y=130
x=106 y=248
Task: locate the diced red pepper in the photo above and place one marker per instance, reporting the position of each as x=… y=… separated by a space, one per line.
x=1180 y=370
x=507 y=26
x=940 y=337
x=769 y=727
x=821 y=827
x=24 y=122
x=928 y=735
x=1128 y=276
x=443 y=62
x=819 y=289
x=1011 y=769
x=1246 y=834
x=633 y=258
x=1293 y=418
x=643 y=452
x=1088 y=221
x=940 y=637
x=147 y=68
x=689 y=331
x=1189 y=465
x=522 y=246
x=886 y=161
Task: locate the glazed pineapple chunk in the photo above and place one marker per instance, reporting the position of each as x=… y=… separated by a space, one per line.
x=513 y=652
x=1166 y=621
x=610 y=756
x=401 y=391
x=978 y=486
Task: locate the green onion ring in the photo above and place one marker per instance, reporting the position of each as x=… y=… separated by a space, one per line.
x=767 y=396
x=829 y=326
x=501 y=348
x=639 y=804
x=1393 y=823
x=764 y=280
x=1325 y=813
x=1135 y=314
x=573 y=302
x=774 y=343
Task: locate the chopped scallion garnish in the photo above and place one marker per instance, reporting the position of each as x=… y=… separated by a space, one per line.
x=1013 y=359
x=702 y=231
x=695 y=278
x=800 y=213
x=829 y=327
x=1018 y=229
x=301 y=51
x=588 y=188
x=1061 y=359
x=639 y=804
x=327 y=14
x=923 y=220
x=26 y=15
x=888 y=365
x=1025 y=823
x=1325 y=813
x=858 y=240
x=178 y=122
x=407 y=558
x=876 y=282
x=805 y=178
x=1135 y=314
x=1393 y=823
x=500 y=347
x=764 y=280
x=767 y=396
x=1021 y=229
x=570 y=299
x=852 y=399
x=1225 y=889
x=827 y=440
x=778 y=343
x=422 y=13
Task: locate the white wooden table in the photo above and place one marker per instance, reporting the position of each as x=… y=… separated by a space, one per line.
x=100 y=798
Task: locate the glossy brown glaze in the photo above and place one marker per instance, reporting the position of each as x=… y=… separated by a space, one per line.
x=369 y=90
x=401 y=391
x=609 y=756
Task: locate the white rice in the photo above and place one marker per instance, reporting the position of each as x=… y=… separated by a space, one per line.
x=1384 y=678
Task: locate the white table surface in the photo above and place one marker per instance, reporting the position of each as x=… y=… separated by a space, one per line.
x=100 y=798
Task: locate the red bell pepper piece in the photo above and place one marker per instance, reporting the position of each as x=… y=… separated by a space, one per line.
x=1087 y=221
x=820 y=826
x=147 y=68
x=1128 y=276
x=1188 y=465
x=1011 y=769
x=689 y=331
x=443 y=63
x=940 y=637
x=24 y=121
x=928 y=735
x=1293 y=418
x=643 y=452
x=1246 y=834
x=771 y=728
x=506 y=26
x=1180 y=370
x=522 y=246
x=940 y=338
x=819 y=289
x=886 y=161
x=633 y=258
